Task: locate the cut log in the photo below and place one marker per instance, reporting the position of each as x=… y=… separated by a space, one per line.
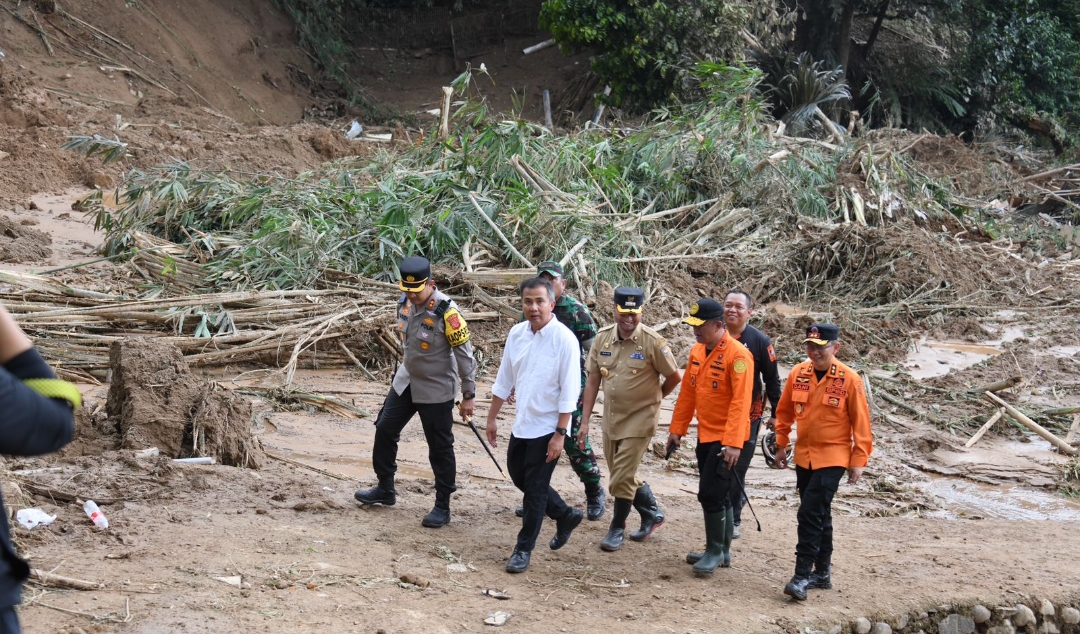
x=529 y=50
x=997 y=386
x=986 y=427
x=1017 y=415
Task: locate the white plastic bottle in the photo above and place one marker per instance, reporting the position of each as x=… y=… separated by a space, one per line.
x=95 y=514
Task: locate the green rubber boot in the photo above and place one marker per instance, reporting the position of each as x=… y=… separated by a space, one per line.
x=729 y=534
x=714 y=544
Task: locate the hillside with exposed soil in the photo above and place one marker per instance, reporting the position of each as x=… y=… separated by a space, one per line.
x=965 y=275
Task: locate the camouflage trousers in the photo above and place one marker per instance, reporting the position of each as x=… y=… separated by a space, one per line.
x=583 y=461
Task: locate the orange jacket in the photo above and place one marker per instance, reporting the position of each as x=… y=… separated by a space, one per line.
x=720 y=389
x=832 y=417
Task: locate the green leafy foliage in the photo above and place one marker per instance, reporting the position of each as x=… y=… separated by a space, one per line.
x=645 y=49
x=110 y=150
x=683 y=183
x=1025 y=54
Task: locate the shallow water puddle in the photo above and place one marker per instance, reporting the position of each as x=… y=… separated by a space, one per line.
x=929 y=358
x=1001 y=501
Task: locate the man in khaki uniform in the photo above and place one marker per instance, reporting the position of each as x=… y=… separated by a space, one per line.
x=629 y=359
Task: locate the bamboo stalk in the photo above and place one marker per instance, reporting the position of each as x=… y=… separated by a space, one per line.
x=1071 y=436
x=57 y=581
x=1017 y=415
x=986 y=427
x=498 y=232
x=998 y=386
x=297 y=463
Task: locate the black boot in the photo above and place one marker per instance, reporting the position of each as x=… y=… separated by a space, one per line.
x=651 y=516
x=440 y=515
x=382 y=493
x=796 y=588
x=821 y=577
x=563 y=528
x=614 y=539
x=595 y=501
x=729 y=534
x=714 y=545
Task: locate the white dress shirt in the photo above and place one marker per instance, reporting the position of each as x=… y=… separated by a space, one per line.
x=544 y=370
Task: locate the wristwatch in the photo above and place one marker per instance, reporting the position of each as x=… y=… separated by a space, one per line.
x=468 y=396
x=562 y=431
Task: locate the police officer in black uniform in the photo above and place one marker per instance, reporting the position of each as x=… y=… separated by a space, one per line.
x=435 y=339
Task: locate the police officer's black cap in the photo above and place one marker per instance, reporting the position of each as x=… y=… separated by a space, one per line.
x=415 y=273
x=629 y=299
x=704 y=310
x=551 y=267
x=822 y=334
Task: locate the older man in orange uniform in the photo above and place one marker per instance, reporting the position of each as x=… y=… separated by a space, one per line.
x=826 y=401
x=718 y=385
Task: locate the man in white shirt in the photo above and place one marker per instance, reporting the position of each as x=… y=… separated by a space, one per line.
x=541 y=364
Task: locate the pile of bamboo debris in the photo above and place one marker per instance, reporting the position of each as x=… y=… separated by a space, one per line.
x=74 y=328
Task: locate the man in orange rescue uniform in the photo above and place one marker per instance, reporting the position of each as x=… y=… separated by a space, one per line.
x=718 y=384
x=826 y=400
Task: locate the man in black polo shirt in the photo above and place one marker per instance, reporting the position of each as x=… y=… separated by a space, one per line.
x=738 y=306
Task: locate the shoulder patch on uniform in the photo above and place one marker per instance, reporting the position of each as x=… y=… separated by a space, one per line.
x=772 y=353
x=457 y=331
x=739 y=366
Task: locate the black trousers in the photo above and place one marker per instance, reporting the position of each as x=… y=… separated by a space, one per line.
x=526 y=460
x=9 y=621
x=816 y=489
x=438 y=422
x=715 y=480
x=737 y=498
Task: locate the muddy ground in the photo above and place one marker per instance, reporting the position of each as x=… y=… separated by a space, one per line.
x=934 y=527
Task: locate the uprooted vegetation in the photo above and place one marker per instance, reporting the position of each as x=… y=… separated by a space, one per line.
x=290 y=272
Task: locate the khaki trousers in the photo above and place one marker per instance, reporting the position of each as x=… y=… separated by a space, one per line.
x=623 y=458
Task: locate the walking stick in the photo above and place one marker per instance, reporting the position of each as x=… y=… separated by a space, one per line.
x=472 y=426
x=742 y=490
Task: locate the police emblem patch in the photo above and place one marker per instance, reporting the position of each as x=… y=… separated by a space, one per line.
x=739 y=367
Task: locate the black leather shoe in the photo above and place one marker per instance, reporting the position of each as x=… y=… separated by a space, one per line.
x=520 y=511
x=564 y=527
x=376 y=495
x=596 y=503
x=518 y=562
x=438 y=517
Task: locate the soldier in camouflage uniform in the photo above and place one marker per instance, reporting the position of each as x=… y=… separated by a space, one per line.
x=575 y=316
